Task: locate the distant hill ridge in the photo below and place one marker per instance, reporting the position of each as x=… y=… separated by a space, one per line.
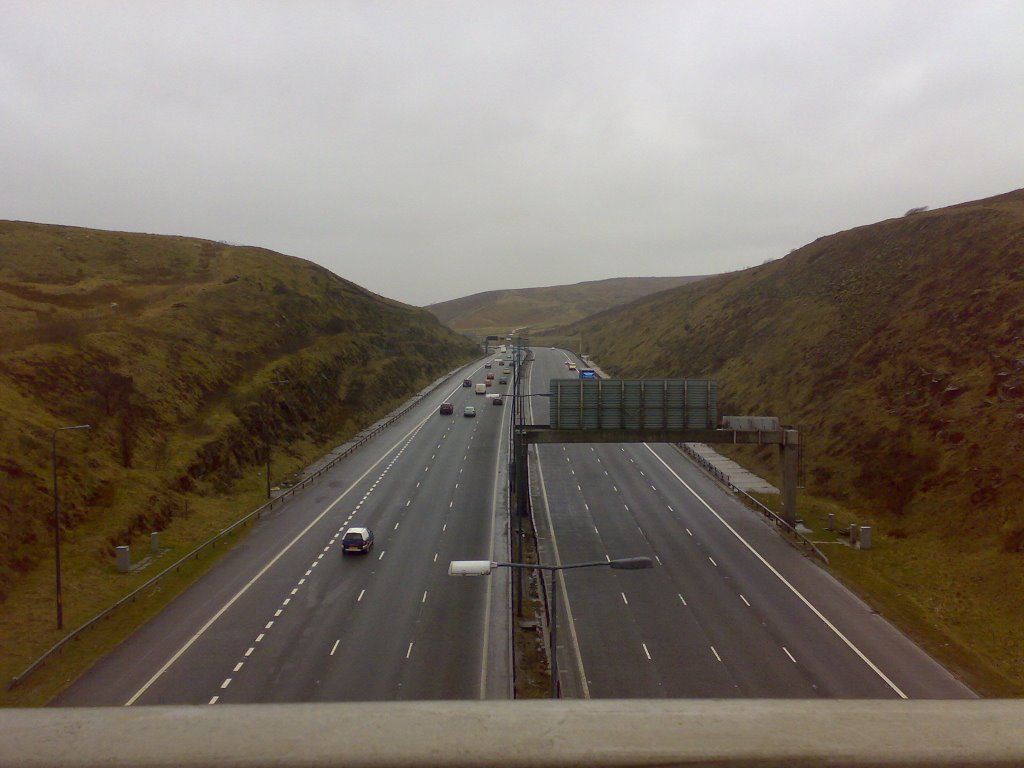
x=539 y=308
x=183 y=354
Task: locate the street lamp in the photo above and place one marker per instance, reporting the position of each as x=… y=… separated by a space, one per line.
x=56 y=520
x=266 y=433
x=484 y=568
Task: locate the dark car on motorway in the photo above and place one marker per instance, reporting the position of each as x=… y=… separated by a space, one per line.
x=503 y=380
x=467 y=382
x=447 y=409
x=357 y=540
x=496 y=400
x=588 y=373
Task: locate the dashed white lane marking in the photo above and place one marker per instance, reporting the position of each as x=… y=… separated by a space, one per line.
x=238 y=666
x=670 y=509
x=451 y=504
x=579 y=489
x=327 y=549
x=615 y=488
x=712 y=561
x=277 y=612
x=296 y=588
x=789 y=654
x=361 y=593
x=689 y=531
x=435 y=557
x=682 y=599
x=608 y=558
x=286 y=601
x=586 y=506
x=396 y=526
x=381 y=555
x=627 y=509
x=408 y=653
x=225 y=684
x=444 y=527
x=846 y=641
x=597 y=531
x=259 y=637
x=320 y=556
x=745 y=600
x=716 y=653
x=417 y=485
x=654 y=489
x=335 y=646
x=408 y=502
x=424 y=597
x=214 y=699
x=657 y=559
x=308 y=573
x=646 y=652
x=642 y=473
x=269 y=625
x=249 y=652
x=624 y=598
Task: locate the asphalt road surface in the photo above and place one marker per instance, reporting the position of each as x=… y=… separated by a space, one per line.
x=286 y=617
x=730 y=609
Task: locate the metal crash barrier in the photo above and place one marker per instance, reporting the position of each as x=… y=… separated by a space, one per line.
x=641 y=732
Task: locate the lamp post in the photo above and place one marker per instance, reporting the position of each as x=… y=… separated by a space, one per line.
x=56 y=520
x=266 y=433
x=484 y=568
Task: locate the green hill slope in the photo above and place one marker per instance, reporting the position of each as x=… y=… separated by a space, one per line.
x=170 y=347
x=539 y=308
x=898 y=349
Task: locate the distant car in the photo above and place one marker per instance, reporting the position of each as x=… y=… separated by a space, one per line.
x=496 y=400
x=447 y=409
x=503 y=380
x=467 y=382
x=469 y=411
x=487 y=365
x=489 y=382
x=588 y=373
x=572 y=366
x=489 y=376
x=357 y=540
x=507 y=371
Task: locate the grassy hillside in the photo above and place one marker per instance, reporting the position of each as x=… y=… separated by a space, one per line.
x=170 y=347
x=539 y=308
x=898 y=349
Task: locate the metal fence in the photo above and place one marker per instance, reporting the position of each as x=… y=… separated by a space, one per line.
x=344 y=451
x=751 y=502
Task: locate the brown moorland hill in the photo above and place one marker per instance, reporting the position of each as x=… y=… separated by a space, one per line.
x=898 y=349
x=170 y=347
x=539 y=308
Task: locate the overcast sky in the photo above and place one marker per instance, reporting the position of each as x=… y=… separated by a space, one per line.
x=430 y=150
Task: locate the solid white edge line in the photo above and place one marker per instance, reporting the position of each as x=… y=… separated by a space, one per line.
x=565 y=594
x=188 y=644
x=783 y=579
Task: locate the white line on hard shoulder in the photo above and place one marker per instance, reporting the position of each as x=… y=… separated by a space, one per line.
x=783 y=579
x=188 y=644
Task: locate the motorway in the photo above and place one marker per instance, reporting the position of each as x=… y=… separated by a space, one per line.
x=730 y=609
x=285 y=617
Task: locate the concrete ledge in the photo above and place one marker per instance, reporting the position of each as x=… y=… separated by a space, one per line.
x=509 y=734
